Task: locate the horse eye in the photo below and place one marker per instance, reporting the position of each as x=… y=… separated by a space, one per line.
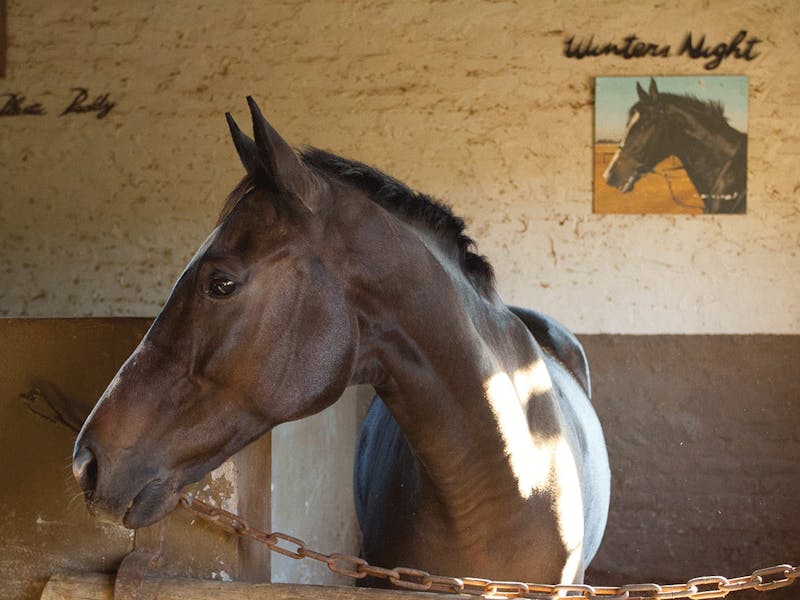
x=221 y=287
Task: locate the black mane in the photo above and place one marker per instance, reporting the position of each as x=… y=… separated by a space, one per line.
x=398 y=198
x=713 y=109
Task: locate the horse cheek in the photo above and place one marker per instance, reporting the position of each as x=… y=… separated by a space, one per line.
x=323 y=365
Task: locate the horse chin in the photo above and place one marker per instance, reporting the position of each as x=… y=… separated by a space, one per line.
x=615 y=179
x=627 y=186
x=156 y=500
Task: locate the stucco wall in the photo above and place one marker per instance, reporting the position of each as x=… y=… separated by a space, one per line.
x=471 y=101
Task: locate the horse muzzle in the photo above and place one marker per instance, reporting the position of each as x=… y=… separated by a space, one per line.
x=120 y=500
x=84 y=468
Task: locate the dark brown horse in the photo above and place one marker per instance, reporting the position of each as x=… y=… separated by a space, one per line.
x=484 y=455
x=713 y=153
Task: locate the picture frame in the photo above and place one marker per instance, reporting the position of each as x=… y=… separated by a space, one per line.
x=674 y=145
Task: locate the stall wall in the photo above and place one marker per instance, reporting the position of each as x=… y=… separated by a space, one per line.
x=473 y=102
x=702 y=435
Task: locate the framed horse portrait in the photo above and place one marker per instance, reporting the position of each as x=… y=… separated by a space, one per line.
x=671 y=145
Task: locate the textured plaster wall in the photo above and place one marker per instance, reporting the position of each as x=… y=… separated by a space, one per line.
x=470 y=101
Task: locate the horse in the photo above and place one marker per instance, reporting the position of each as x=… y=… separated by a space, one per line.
x=482 y=452
x=713 y=153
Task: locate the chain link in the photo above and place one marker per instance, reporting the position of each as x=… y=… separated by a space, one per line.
x=699 y=588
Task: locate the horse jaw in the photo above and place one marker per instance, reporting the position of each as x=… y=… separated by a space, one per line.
x=154 y=502
x=612 y=176
x=627 y=186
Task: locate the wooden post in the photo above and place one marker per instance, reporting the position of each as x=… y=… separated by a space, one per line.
x=3 y=38
x=253 y=481
x=191 y=550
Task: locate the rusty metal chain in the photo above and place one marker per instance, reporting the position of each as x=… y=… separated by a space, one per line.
x=699 y=588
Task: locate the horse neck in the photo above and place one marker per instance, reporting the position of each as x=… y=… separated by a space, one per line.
x=705 y=149
x=454 y=366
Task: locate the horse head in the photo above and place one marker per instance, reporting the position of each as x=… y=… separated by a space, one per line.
x=645 y=142
x=256 y=332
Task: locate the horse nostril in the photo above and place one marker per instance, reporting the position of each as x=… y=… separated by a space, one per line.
x=84 y=467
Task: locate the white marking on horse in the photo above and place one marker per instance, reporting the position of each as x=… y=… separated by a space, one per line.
x=633 y=120
x=569 y=503
x=531 y=460
x=538 y=464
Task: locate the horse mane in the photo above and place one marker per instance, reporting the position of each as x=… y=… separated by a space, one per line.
x=399 y=199
x=712 y=109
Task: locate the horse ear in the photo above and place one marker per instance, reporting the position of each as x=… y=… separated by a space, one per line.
x=653 y=90
x=248 y=153
x=279 y=161
x=642 y=94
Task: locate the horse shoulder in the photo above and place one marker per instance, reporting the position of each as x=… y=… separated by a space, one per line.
x=569 y=368
x=559 y=342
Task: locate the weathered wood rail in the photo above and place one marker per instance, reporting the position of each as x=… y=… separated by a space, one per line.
x=97 y=586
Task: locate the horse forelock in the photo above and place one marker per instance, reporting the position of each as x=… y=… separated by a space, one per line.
x=239 y=192
x=399 y=199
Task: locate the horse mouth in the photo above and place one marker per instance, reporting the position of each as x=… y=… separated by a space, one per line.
x=627 y=185
x=154 y=502
x=613 y=177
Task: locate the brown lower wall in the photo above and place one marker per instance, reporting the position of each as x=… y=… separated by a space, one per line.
x=702 y=434
x=703 y=438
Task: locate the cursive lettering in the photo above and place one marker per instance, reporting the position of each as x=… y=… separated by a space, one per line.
x=721 y=51
x=100 y=104
x=15 y=106
x=740 y=46
x=631 y=48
